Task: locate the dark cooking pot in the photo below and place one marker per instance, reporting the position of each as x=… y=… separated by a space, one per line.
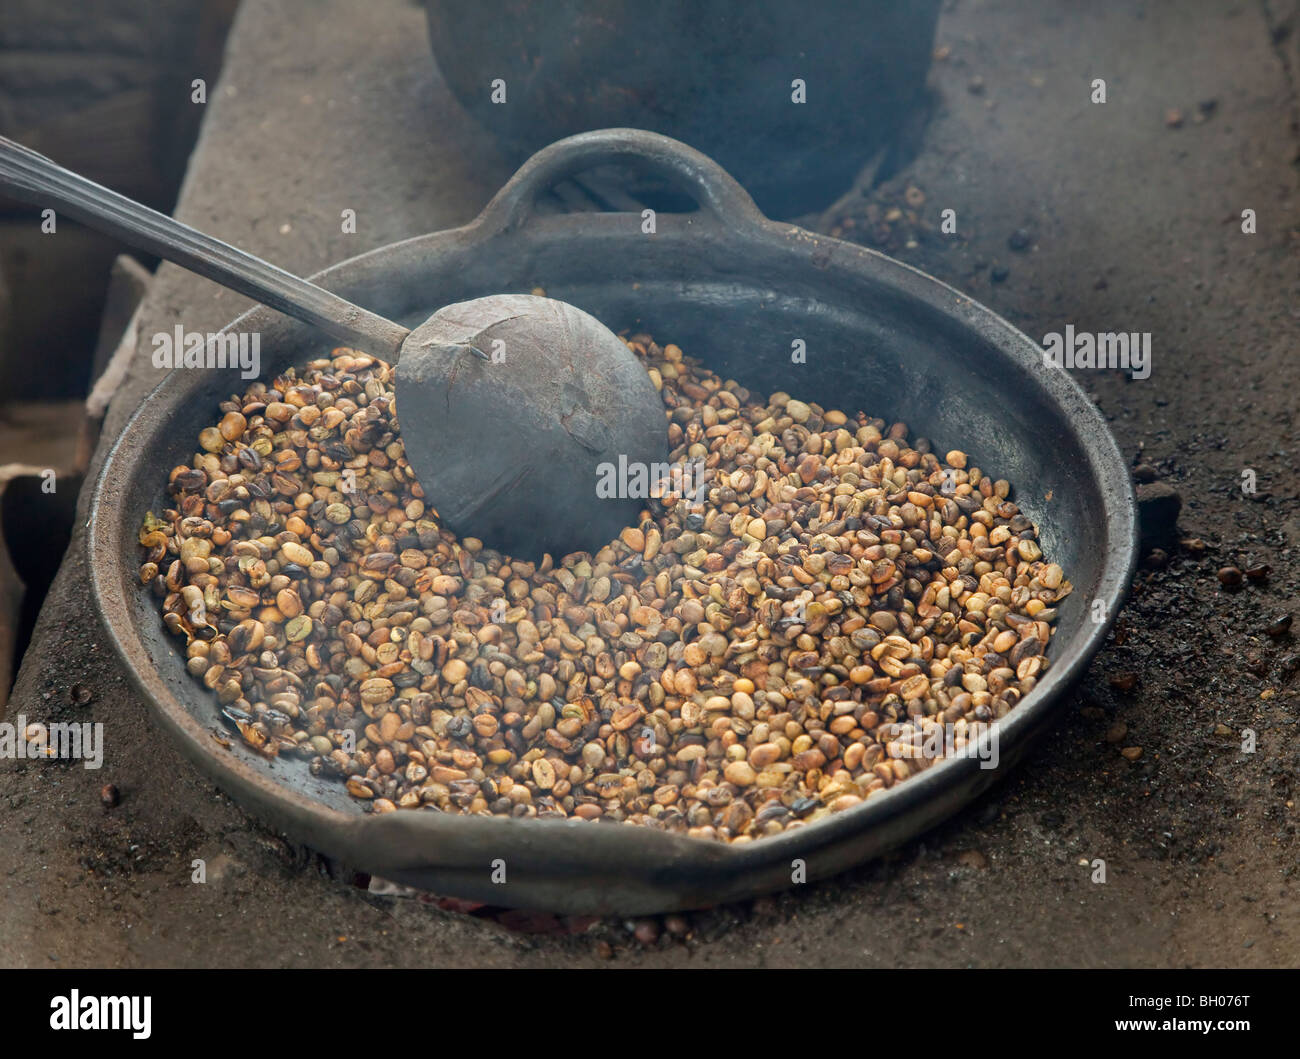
x=736 y=290
x=715 y=73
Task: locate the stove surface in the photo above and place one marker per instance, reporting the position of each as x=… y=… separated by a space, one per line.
x=1132 y=225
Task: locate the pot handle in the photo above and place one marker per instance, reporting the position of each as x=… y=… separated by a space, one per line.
x=718 y=194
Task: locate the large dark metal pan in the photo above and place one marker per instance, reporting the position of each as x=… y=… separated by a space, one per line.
x=737 y=290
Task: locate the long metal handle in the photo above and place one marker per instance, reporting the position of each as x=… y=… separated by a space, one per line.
x=33 y=178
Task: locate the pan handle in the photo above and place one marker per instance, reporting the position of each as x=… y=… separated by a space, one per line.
x=717 y=192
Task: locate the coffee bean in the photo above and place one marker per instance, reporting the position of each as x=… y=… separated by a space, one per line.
x=1229 y=577
x=730 y=666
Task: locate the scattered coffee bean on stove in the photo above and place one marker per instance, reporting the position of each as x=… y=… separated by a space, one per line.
x=1229 y=577
x=1279 y=626
x=1123 y=681
x=806 y=600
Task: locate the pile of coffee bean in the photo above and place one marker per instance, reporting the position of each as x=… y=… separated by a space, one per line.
x=755 y=654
